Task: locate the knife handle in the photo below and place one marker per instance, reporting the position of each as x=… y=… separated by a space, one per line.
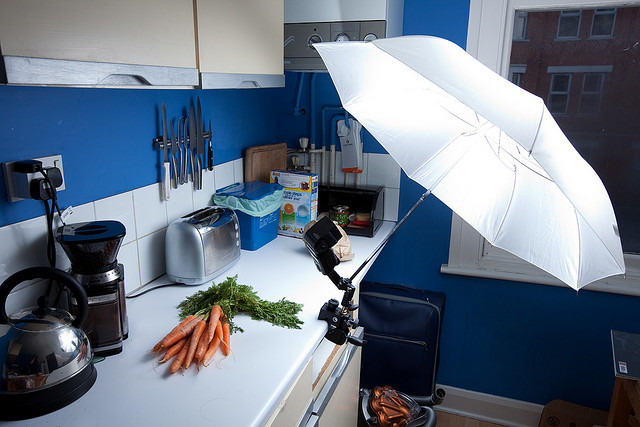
x=210 y=157
x=166 y=180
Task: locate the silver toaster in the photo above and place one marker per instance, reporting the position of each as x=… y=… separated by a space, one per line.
x=202 y=245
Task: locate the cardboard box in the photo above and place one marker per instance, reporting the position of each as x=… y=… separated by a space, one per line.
x=559 y=413
x=299 y=201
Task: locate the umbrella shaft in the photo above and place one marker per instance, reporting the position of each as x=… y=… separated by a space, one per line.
x=384 y=242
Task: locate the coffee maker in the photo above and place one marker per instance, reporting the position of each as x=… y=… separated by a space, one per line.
x=92 y=248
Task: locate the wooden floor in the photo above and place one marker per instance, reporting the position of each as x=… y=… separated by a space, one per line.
x=450 y=420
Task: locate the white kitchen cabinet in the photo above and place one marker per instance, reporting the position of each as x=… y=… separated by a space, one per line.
x=332 y=399
x=97 y=42
x=240 y=43
x=342 y=409
x=336 y=398
x=212 y=43
x=291 y=410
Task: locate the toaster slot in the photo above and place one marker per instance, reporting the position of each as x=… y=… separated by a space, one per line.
x=205 y=216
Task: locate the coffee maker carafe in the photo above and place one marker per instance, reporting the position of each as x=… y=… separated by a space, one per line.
x=92 y=248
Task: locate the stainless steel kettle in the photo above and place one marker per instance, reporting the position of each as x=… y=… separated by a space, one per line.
x=45 y=357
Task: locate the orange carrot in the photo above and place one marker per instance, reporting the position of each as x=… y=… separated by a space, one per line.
x=213 y=347
x=219 y=332
x=175 y=349
x=226 y=343
x=193 y=343
x=178 y=361
x=182 y=332
x=186 y=320
x=207 y=336
x=203 y=344
x=216 y=312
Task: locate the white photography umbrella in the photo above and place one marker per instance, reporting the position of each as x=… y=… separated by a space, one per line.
x=486 y=148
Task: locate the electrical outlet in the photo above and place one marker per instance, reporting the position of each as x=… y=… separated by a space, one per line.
x=17 y=184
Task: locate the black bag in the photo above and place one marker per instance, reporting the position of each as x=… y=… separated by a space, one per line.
x=402 y=331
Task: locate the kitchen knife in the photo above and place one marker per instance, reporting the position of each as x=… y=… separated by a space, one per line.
x=210 y=159
x=185 y=146
x=192 y=145
x=174 y=155
x=200 y=144
x=166 y=166
x=179 y=150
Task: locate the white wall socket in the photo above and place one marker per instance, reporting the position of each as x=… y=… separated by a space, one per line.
x=17 y=184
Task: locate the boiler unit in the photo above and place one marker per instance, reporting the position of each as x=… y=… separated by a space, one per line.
x=310 y=21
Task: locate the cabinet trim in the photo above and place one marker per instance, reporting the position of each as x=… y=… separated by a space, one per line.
x=241 y=81
x=43 y=71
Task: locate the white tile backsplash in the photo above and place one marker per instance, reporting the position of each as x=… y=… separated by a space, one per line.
x=339 y=175
x=151 y=259
x=224 y=175
x=391 y=201
x=149 y=209
x=146 y=216
x=128 y=256
x=180 y=202
x=238 y=170
x=204 y=197
x=23 y=245
x=81 y=213
x=383 y=170
x=118 y=208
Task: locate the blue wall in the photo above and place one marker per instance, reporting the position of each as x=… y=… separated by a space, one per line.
x=523 y=341
x=529 y=342
x=105 y=135
x=297 y=96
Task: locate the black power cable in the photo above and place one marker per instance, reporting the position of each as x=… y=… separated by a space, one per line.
x=51 y=192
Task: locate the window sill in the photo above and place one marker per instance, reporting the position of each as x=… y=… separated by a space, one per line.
x=616 y=284
x=566 y=39
x=471 y=255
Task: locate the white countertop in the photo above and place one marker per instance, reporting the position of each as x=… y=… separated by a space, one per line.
x=241 y=390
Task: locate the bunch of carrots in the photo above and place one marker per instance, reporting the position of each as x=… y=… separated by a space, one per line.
x=195 y=340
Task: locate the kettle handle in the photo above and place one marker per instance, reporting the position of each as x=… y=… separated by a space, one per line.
x=56 y=274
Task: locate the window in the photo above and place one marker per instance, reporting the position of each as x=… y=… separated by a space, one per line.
x=614 y=153
x=591 y=94
x=520 y=26
x=603 y=22
x=569 y=24
x=516 y=72
x=559 y=93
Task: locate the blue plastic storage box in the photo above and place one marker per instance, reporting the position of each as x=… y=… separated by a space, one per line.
x=257 y=205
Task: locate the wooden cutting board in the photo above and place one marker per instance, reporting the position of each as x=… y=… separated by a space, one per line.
x=260 y=160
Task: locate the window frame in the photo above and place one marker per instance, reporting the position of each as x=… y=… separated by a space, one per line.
x=554 y=92
x=516 y=71
x=489 y=40
x=523 y=17
x=598 y=93
x=569 y=14
x=613 y=24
